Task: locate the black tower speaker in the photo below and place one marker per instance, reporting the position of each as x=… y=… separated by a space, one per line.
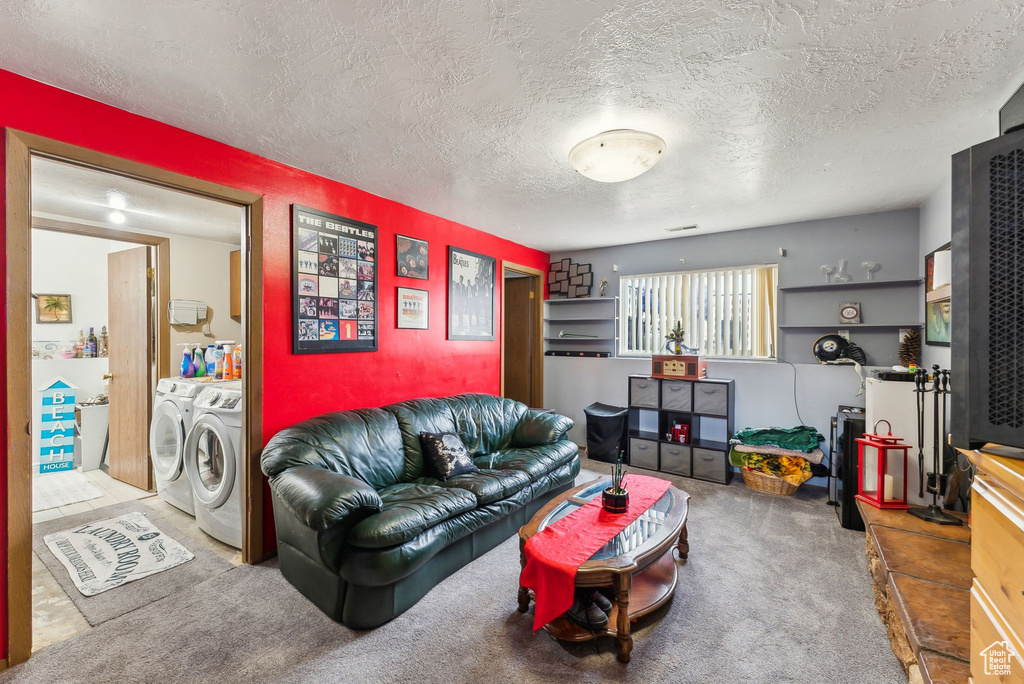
x=988 y=295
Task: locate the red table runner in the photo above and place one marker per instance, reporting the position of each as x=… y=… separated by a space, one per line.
x=554 y=554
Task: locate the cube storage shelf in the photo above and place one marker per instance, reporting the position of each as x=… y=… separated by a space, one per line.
x=707 y=406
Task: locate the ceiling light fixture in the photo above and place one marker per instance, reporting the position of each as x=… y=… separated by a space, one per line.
x=615 y=156
x=117 y=199
x=116 y=217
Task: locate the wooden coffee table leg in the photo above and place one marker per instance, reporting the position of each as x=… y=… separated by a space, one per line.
x=684 y=544
x=524 y=593
x=623 y=640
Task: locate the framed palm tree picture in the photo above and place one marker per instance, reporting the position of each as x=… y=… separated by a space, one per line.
x=53 y=308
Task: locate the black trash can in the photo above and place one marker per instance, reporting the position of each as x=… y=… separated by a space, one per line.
x=606 y=431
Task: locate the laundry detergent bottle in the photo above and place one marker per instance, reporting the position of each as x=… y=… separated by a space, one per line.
x=187 y=370
x=199 y=363
x=228 y=364
x=236 y=358
x=211 y=360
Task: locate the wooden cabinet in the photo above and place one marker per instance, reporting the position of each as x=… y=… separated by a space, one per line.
x=235 y=274
x=997 y=559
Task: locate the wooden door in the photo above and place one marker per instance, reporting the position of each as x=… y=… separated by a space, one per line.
x=517 y=329
x=131 y=353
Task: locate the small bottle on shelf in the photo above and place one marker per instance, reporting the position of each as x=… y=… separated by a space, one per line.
x=90 y=345
x=80 y=345
x=104 y=348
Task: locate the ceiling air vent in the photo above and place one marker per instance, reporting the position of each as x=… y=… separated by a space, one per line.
x=681 y=228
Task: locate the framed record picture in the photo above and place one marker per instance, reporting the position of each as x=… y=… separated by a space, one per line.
x=334 y=283
x=412 y=257
x=470 y=295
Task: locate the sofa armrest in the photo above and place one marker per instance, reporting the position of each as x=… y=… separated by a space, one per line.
x=536 y=428
x=321 y=498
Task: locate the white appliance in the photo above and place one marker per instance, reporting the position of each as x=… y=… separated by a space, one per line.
x=896 y=402
x=213 y=461
x=172 y=420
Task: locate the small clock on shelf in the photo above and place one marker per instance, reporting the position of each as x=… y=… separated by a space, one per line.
x=849 y=312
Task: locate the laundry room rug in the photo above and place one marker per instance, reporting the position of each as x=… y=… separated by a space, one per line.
x=62 y=489
x=131 y=520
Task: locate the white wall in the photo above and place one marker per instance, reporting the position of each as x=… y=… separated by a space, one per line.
x=935 y=231
x=75 y=265
x=200 y=270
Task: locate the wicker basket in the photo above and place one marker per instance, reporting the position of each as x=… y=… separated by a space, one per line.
x=769 y=484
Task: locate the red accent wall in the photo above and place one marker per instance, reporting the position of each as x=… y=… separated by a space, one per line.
x=408 y=364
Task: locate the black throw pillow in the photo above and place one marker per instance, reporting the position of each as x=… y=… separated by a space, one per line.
x=446 y=455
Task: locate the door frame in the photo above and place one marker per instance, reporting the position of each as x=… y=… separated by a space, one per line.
x=20 y=147
x=537 y=340
x=161 y=283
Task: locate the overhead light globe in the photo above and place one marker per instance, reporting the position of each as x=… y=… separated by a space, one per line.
x=616 y=156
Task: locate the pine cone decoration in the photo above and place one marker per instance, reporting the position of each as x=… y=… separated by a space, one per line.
x=910 y=348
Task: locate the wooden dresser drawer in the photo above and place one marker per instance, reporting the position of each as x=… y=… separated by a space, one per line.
x=988 y=629
x=997 y=548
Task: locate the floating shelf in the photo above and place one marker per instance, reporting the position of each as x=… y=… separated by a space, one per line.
x=939 y=294
x=579 y=339
x=844 y=326
x=581 y=320
x=576 y=300
x=906 y=282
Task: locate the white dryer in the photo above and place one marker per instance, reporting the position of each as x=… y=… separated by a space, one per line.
x=213 y=461
x=172 y=420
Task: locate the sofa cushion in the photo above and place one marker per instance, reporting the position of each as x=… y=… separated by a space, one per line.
x=484 y=422
x=416 y=416
x=487 y=486
x=407 y=510
x=534 y=461
x=365 y=444
x=445 y=456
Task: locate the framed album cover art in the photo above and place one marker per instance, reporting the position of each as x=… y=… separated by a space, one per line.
x=412 y=257
x=334 y=283
x=413 y=309
x=470 y=295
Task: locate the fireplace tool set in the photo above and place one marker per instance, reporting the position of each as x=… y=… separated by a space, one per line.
x=936 y=479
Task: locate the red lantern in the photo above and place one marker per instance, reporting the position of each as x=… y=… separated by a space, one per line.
x=882 y=464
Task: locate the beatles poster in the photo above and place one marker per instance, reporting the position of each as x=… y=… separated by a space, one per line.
x=470 y=295
x=334 y=276
x=413 y=307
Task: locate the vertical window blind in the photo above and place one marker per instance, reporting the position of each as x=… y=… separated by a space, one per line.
x=725 y=312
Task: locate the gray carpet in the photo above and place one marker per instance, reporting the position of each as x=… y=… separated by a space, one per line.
x=774 y=591
x=132 y=596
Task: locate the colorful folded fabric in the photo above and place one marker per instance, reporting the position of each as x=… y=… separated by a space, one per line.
x=801 y=438
x=768 y=450
x=794 y=470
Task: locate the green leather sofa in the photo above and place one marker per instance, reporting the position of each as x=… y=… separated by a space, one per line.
x=364 y=532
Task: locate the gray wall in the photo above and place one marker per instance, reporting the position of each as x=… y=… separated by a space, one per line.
x=764 y=390
x=936 y=230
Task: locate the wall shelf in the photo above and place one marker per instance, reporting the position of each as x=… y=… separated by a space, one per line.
x=844 y=326
x=579 y=300
x=863 y=284
x=591 y=317
x=579 y=320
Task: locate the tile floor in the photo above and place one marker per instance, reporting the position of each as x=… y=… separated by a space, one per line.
x=55 y=616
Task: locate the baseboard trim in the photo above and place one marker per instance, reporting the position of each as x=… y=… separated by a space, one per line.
x=3 y=664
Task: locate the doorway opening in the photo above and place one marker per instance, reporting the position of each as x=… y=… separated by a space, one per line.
x=158 y=265
x=522 y=355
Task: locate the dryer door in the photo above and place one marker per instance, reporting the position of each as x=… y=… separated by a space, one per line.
x=167 y=441
x=210 y=460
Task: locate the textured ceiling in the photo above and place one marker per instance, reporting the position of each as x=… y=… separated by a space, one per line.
x=74 y=192
x=772 y=111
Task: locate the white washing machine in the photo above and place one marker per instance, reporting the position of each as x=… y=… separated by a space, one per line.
x=213 y=461
x=172 y=420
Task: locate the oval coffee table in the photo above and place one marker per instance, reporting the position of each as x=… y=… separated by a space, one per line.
x=637 y=563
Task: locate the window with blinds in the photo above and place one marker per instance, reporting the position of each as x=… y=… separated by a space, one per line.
x=725 y=312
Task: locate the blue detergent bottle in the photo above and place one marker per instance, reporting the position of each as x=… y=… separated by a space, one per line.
x=187 y=371
x=211 y=360
x=198 y=363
